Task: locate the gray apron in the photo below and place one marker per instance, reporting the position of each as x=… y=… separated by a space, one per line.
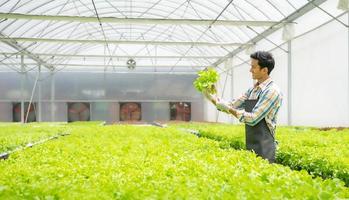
x=258 y=137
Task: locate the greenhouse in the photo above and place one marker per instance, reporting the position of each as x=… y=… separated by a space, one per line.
x=166 y=99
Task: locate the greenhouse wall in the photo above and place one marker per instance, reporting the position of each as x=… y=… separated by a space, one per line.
x=60 y=111
x=225 y=89
x=5 y=111
x=315 y=83
x=320 y=84
x=280 y=76
x=104 y=92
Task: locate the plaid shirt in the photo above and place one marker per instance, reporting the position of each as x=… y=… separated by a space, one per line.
x=269 y=102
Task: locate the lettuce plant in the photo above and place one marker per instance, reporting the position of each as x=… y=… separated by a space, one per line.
x=206 y=81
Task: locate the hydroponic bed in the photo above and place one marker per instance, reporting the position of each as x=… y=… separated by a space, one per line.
x=133 y=162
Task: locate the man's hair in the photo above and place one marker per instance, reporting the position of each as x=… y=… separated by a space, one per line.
x=265 y=59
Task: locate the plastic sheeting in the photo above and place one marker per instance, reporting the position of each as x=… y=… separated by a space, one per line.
x=104 y=92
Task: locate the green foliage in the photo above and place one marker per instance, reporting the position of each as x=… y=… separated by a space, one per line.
x=86 y=123
x=13 y=135
x=206 y=80
x=128 y=162
x=321 y=153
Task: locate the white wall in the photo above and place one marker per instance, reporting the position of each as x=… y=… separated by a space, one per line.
x=225 y=90
x=60 y=111
x=6 y=107
x=319 y=78
x=210 y=111
x=197 y=111
x=280 y=77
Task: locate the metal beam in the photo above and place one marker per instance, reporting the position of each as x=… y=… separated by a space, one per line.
x=292 y=17
x=141 y=21
x=102 y=65
x=18 y=47
x=39 y=107
x=139 y=42
x=22 y=88
x=298 y=36
x=183 y=73
x=113 y=56
x=53 y=92
x=123 y=100
x=289 y=83
x=232 y=91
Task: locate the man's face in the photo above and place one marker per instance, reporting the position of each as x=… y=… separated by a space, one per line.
x=257 y=72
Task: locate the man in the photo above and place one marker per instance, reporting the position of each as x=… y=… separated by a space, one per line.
x=257 y=108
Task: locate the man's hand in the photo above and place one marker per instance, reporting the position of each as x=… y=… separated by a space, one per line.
x=223 y=106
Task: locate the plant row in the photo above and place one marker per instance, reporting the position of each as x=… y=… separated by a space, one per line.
x=14 y=135
x=127 y=162
x=321 y=153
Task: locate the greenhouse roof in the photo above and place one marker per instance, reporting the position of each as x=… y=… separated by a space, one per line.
x=154 y=35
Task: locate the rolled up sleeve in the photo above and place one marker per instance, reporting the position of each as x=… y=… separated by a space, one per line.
x=239 y=102
x=261 y=109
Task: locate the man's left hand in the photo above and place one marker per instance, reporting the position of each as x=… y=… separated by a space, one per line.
x=223 y=106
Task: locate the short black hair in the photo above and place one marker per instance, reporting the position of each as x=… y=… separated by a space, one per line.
x=265 y=59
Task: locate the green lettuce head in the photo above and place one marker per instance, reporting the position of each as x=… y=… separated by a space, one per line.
x=206 y=80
